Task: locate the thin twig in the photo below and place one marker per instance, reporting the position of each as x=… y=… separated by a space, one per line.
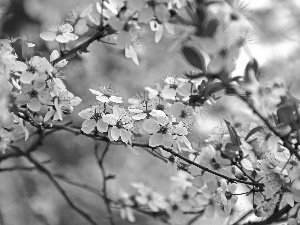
x=274 y=217
x=195 y=218
x=243 y=217
x=100 y=161
x=83 y=46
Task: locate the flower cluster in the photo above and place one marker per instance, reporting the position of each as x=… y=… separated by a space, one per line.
x=31 y=87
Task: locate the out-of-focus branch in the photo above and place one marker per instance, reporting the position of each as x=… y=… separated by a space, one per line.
x=105 y=178
x=243 y=217
x=195 y=218
x=45 y=171
x=273 y=218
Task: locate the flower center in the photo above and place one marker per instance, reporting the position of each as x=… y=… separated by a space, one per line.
x=31 y=69
x=228 y=195
x=173 y=86
x=163 y=130
x=119 y=124
x=214 y=164
x=151 y=3
x=183 y=114
x=160 y=107
x=33 y=94
x=97 y=116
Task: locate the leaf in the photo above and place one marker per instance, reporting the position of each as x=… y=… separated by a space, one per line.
x=253 y=131
x=194 y=57
x=283 y=129
x=286 y=115
x=200 y=12
x=212 y=27
x=252 y=66
x=21 y=49
x=230 y=151
x=233 y=134
x=213 y=88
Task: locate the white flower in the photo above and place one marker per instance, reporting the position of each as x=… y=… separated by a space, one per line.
x=146 y=108
x=63 y=104
x=161 y=131
x=183 y=113
x=183 y=178
x=34 y=94
x=126 y=211
x=131 y=53
x=93 y=119
x=158 y=28
x=121 y=124
x=38 y=67
x=106 y=94
x=62 y=34
x=173 y=87
x=146 y=196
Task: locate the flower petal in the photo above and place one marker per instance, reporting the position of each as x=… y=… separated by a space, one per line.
x=110 y=119
x=168 y=93
x=86 y=113
x=115 y=133
x=151 y=126
x=48 y=36
x=88 y=126
x=61 y=39
x=34 y=104
x=102 y=126
x=125 y=135
x=156 y=140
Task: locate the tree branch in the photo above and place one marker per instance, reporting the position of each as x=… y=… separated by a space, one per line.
x=100 y=161
x=274 y=217
x=83 y=46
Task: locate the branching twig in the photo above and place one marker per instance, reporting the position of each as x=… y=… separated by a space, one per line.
x=100 y=161
x=274 y=217
x=83 y=46
x=42 y=169
x=243 y=217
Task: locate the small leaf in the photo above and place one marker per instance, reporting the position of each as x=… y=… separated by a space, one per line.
x=230 y=151
x=194 y=57
x=213 y=88
x=283 y=129
x=286 y=114
x=252 y=67
x=253 y=131
x=233 y=134
x=21 y=49
x=200 y=15
x=212 y=27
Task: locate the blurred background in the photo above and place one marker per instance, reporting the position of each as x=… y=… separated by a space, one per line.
x=29 y=198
